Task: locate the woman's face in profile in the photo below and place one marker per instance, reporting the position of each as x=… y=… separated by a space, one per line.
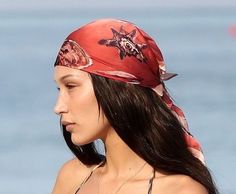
x=78 y=107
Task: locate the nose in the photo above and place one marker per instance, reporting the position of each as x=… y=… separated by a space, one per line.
x=61 y=106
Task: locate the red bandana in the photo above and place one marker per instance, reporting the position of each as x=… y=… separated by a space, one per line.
x=122 y=51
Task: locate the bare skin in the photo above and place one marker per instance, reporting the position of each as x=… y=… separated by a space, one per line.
x=77 y=106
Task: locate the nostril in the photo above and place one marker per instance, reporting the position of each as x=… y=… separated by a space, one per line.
x=60 y=108
x=56 y=111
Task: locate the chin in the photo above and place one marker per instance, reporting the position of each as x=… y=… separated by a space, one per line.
x=79 y=141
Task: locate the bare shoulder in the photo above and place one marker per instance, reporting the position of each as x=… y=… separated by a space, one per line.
x=70 y=176
x=188 y=185
x=178 y=184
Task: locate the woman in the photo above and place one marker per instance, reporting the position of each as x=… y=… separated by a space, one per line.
x=110 y=77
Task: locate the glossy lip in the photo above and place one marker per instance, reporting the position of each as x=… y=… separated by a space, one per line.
x=68 y=125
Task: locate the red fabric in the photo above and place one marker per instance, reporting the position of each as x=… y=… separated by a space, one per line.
x=121 y=51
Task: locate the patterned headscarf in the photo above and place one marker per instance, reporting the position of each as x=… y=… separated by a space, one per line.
x=121 y=51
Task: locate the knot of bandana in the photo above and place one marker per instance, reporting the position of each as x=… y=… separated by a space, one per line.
x=121 y=51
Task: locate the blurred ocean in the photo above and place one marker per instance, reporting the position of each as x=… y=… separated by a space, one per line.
x=196 y=44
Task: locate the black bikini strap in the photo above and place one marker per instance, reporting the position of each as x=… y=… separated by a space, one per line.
x=151 y=182
x=89 y=175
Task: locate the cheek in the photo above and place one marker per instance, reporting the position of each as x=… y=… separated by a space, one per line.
x=90 y=125
x=85 y=112
x=83 y=106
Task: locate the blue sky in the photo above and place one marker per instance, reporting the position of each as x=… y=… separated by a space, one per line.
x=67 y=4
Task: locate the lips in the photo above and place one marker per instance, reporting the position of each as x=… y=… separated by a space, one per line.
x=68 y=125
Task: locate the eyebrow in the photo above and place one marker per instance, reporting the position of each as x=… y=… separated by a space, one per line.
x=66 y=76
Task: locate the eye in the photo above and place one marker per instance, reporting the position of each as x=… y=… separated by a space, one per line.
x=70 y=86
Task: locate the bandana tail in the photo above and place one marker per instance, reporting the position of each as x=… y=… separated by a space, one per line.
x=192 y=143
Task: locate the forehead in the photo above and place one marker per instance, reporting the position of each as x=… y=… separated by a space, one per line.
x=62 y=71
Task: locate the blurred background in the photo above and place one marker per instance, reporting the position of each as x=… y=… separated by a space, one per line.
x=198 y=41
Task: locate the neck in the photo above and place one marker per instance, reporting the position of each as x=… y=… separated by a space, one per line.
x=120 y=159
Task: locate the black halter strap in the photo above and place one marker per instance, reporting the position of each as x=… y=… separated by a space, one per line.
x=150 y=183
x=89 y=175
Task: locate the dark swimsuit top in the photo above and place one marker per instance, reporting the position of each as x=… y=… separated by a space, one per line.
x=90 y=174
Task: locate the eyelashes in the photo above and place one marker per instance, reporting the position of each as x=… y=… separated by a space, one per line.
x=67 y=86
x=70 y=86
